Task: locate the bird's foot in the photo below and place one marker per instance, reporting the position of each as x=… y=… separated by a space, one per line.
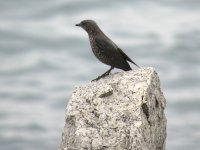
x=103 y=75
x=96 y=79
x=99 y=77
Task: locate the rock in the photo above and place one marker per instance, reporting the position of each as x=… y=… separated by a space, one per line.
x=123 y=111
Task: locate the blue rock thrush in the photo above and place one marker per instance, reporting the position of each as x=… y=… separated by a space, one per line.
x=105 y=49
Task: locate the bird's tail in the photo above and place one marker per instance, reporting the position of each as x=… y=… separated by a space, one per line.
x=127 y=58
x=127 y=67
x=134 y=63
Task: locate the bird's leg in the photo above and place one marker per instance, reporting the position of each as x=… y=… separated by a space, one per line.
x=103 y=75
x=107 y=72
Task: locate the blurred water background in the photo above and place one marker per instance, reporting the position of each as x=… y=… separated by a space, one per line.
x=43 y=56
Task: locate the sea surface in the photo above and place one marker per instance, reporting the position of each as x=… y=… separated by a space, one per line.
x=43 y=57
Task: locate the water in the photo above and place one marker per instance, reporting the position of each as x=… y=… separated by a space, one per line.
x=44 y=56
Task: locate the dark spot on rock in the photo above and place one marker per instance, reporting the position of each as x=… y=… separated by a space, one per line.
x=70 y=120
x=89 y=123
x=95 y=113
x=156 y=101
x=146 y=111
x=104 y=147
x=88 y=101
x=106 y=94
x=125 y=118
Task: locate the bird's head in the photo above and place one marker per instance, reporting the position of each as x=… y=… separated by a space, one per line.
x=89 y=26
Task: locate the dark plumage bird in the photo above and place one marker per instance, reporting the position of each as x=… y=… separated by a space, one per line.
x=105 y=49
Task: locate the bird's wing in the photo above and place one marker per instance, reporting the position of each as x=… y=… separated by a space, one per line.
x=107 y=47
x=110 y=47
x=105 y=43
x=126 y=57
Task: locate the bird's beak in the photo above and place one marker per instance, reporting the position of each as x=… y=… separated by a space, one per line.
x=78 y=24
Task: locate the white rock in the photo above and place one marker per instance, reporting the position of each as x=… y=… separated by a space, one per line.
x=123 y=111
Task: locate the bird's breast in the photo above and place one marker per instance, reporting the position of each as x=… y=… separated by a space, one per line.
x=99 y=53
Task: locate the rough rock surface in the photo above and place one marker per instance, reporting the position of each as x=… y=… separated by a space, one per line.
x=123 y=111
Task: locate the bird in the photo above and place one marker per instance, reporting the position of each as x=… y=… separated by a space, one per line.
x=105 y=49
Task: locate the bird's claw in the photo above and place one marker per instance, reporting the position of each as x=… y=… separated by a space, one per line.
x=99 y=77
x=96 y=78
x=103 y=75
